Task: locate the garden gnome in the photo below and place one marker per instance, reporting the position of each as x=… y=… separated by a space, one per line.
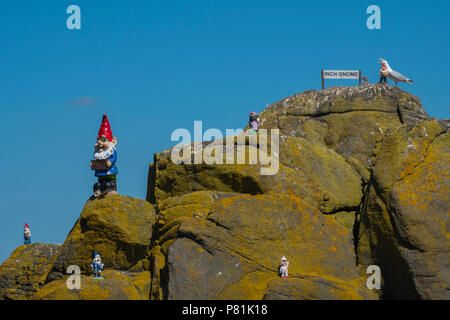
x=383 y=74
x=283 y=268
x=104 y=163
x=253 y=122
x=27 y=234
x=97 y=266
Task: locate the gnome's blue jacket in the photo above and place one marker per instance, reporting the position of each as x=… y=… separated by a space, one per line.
x=112 y=170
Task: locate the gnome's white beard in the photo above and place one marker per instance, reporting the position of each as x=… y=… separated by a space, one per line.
x=105 y=154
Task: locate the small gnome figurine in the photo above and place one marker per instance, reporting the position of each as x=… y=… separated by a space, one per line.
x=283 y=268
x=383 y=73
x=253 y=122
x=97 y=266
x=26 y=234
x=104 y=163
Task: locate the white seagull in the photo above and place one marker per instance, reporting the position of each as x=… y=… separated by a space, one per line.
x=393 y=75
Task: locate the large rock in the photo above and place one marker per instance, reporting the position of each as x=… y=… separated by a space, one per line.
x=223 y=228
x=25 y=271
x=233 y=252
x=319 y=175
x=118 y=227
x=116 y=285
x=311 y=288
x=405 y=219
x=362 y=179
x=349 y=120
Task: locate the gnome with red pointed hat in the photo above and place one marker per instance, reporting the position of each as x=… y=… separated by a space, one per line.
x=26 y=234
x=104 y=162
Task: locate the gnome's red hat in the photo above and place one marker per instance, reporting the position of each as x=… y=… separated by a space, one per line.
x=105 y=129
x=26 y=226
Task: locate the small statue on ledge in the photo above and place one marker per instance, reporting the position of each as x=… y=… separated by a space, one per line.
x=26 y=234
x=283 y=267
x=104 y=163
x=253 y=122
x=97 y=266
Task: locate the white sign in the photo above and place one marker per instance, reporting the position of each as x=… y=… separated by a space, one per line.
x=341 y=74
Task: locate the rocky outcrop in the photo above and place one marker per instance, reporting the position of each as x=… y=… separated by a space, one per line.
x=223 y=228
x=405 y=218
x=348 y=120
x=311 y=288
x=118 y=227
x=309 y=170
x=117 y=285
x=25 y=271
x=362 y=180
x=233 y=251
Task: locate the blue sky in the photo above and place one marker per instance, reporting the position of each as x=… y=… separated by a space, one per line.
x=154 y=66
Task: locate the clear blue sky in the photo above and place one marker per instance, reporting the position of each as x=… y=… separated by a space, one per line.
x=154 y=66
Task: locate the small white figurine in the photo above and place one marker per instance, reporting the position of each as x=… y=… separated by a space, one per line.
x=283 y=268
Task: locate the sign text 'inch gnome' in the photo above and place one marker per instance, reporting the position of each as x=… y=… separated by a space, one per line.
x=341 y=74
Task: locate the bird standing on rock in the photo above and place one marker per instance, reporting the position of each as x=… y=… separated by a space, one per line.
x=387 y=71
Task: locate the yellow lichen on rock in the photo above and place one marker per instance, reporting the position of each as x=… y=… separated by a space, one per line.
x=363 y=180
x=118 y=227
x=26 y=270
x=405 y=218
x=242 y=240
x=116 y=285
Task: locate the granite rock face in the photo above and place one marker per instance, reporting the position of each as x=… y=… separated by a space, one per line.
x=366 y=159
x=116 y=285
x=223 y=228
x=348 y=120
x=310 y=288
x=406 y=214
x=118 y=227
x=362 y=178
x=233 y=252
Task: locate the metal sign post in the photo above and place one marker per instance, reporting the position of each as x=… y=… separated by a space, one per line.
x=323 y=81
